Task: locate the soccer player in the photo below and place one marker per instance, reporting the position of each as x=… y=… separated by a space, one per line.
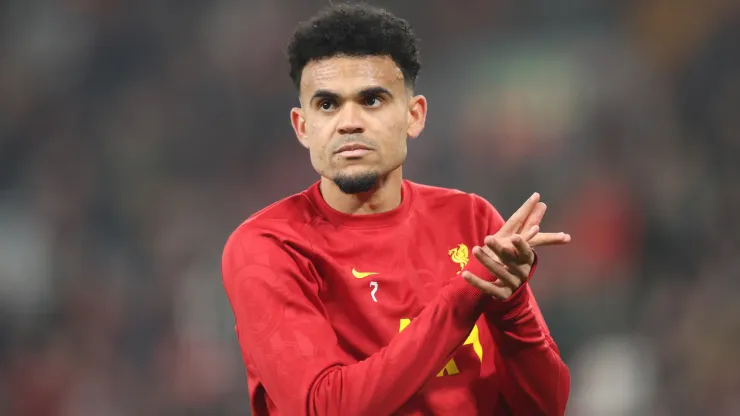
x=359 y=296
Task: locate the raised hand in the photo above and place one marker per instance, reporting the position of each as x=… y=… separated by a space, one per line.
x=534 y=218
x=525 y=220
x=508 y=254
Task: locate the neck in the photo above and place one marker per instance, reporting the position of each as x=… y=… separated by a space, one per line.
x=385 y=196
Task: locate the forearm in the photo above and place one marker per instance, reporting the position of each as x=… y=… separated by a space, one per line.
x=537 y=381
x=293 y=349
x=383 y=382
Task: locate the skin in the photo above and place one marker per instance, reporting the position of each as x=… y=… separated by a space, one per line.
x=358 y=100
x=365 y=100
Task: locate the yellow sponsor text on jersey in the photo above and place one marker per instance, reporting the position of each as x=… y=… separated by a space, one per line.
x=451 y=367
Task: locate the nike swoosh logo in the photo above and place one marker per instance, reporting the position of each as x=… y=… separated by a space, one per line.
x=362 y=275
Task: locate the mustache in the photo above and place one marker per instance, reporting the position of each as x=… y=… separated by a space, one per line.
x=354 y=138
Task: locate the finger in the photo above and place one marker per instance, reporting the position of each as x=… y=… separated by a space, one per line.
x=516 y=261
x=526 y=255
x=515 y=222
x=490 y=253
x=487 y=251
x=488 y=288
x=499 y=270
x=549 y=239
x=484 y=258
x=502 y=248
x=499 y=283
x=530 y=232
x=535 y=217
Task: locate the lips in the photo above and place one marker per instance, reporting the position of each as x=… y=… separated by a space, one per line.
x=352 y=146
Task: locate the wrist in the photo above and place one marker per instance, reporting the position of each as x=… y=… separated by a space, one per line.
x=504 y=310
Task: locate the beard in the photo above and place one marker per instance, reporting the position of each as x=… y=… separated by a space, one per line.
x=355 y=184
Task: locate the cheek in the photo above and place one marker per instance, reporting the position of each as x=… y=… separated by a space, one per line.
x=399 y=130
x=402 y=128
x=319 y=134
x=315 y=132
x=395 y=147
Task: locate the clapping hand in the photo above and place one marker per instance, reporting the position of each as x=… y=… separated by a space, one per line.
x=508 y=254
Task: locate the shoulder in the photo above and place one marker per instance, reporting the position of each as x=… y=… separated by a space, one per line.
x=437 y=202
x=295 y=209
x=452 y=200
x=282 y=219
x=271 y=231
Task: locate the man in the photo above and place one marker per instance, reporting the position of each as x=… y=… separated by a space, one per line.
x=358 y=296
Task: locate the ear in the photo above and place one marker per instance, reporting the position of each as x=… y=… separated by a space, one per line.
x=299 y=125
x=417 y=115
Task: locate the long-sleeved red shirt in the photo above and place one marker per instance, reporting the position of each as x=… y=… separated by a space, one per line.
x=351 y=315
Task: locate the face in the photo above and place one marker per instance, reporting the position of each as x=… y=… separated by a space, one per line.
x=355 y=117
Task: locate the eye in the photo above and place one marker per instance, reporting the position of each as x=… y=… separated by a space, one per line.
x=373 y=101
x=326 y=105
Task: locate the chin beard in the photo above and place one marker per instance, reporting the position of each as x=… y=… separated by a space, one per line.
x=356 y=184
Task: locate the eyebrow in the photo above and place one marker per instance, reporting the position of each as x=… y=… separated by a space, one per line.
x=325 y=94
x=330 y=95
x=374 y=91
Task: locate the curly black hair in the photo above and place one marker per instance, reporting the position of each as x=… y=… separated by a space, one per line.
x=354 y=30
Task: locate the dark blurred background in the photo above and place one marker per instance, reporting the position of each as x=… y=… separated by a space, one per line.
x=135 y=135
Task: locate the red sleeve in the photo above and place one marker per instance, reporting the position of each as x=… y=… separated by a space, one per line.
x=287 y=340
x=536 y=381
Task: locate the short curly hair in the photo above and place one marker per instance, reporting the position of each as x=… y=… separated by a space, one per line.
x=354 y=30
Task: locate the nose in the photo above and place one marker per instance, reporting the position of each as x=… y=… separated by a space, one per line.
x=350 y=119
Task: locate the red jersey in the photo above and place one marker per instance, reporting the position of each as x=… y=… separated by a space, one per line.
x=349 y=315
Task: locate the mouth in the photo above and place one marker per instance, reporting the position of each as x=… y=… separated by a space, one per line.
x=353 y=150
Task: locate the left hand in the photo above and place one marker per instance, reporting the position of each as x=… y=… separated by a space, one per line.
x=512 y=265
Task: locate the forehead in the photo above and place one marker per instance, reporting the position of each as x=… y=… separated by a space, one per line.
x=349 y=73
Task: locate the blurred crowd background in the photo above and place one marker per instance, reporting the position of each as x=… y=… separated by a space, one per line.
x=135 y=135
